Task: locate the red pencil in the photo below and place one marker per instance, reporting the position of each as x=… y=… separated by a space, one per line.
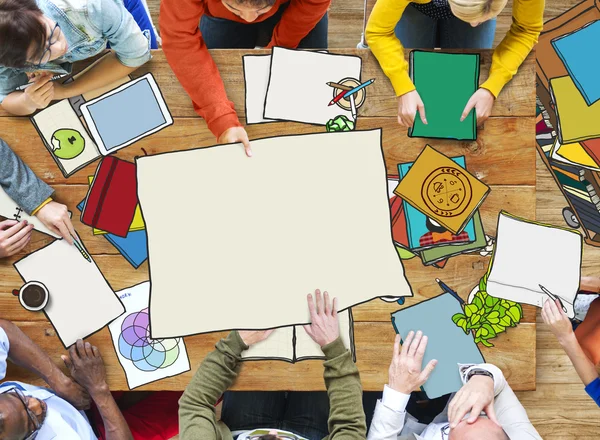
x=338 y=97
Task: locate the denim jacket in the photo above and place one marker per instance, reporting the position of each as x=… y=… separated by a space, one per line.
x=88 y=25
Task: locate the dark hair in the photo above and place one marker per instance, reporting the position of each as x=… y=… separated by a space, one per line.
x=268 y=437
x=20 y=28
x=257 y=3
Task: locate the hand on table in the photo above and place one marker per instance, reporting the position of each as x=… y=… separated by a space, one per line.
x=86 y=367
x=236 y=134
x=56 y=218
x=557 y=319
x=251 y=337
x=70 y=390
x=41 y=92
x=14 y=236
x=408 y=104
x=405 y=373
x=482 y=101
x=476 y=396
x=324 y=327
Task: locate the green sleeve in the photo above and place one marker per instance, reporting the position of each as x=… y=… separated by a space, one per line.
x=197 y=417
x=346 y=414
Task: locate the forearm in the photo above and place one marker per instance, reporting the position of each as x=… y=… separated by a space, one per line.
x=346 y=415
x=25 y=353
x=297 y=21
x=115 y=426
x=388 y=50
x=16 y=104
x=107 y=70
x=197 y=417
x=584 y=367
x=590 y=284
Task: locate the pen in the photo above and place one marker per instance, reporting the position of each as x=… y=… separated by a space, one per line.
x=351 y=92
x=24 y=86
x=339 y=86
x=553 y=297
x=353 y=107
x=80 y=248
x=447 y=289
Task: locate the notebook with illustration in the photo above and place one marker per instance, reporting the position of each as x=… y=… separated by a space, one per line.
x=447 y=342
x=292 y=343
x=442 y=189
x=528 y=255
x=592 y=147
x=112 y=198
x=12 y=211
x=578 y=50
x=445 y=100
x=136 y=225
x=576 y=120
x=134 y=247
x=576 y=154
x=399 y=231
x=65 y=137
x=438 y=253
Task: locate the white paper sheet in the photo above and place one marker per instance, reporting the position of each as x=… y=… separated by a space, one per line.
x=305 y=212
x=528 y=255
x=12 y=211
x=256 y=79
x=81 y=301
x=144 y=359
x=298 y=89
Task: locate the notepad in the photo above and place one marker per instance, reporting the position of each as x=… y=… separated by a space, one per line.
x=576 y=154
x=81 y=300
x=292 y=343
x=445 y=99
x=578 y=51
x=576 y=120
x=256 y=79
x=447 y=342
x=442 y=190
x=529 y=254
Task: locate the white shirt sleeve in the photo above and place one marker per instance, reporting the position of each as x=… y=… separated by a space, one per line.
x=4 y=348
x=389 y=416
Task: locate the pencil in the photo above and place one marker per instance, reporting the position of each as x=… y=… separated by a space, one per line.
x=339 y=86
x=353 y=107
x=80 y=248
x=447 y=289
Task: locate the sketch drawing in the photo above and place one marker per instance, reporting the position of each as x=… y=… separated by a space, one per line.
x=531 y=259
x=144 y=359
x=311 y=226
x=310 y=73
x=81 y=300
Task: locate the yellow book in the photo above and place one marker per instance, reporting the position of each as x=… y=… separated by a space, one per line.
x=442 y=190
x=576 y=120
x=136 y=225
x=576 y=154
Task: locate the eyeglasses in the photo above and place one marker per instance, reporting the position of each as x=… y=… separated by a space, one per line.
x=52 y=39
x=32 y=417
x=446 y=432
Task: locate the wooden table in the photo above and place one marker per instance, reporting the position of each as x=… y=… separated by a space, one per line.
x=503 y=156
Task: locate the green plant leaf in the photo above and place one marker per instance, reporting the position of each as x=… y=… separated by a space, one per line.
x=475 y=319
x=464 y=327
x=477 y=340
x=514 y=313
x=506 y=321
x=491 y=333
x=491 y=301
x=470 y=309
x=486 y=343
x=457 y=317
x=493 y=317
x=478 y=301
x=502 y=311
x=498 y=328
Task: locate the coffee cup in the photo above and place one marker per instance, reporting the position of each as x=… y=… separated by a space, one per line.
x=33 y=296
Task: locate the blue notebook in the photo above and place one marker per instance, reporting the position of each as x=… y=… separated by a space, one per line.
x=416 y=221
x=578 y=51
x=134 y=247
x=447 y=342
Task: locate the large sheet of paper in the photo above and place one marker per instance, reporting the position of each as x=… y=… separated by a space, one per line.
x=144 y=359
x=305 y=212
x=256 y=79
x=528 y=255
x=81 y=301
x=298 y=89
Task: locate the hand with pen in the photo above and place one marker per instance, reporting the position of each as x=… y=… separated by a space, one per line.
x=55 y=217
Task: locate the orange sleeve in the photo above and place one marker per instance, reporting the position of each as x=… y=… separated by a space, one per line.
x=300 y=17
x=195 y=69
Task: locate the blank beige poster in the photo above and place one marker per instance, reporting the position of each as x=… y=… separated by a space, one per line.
x=260 y=233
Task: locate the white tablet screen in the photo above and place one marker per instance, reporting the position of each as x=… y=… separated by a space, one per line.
x=126 y=115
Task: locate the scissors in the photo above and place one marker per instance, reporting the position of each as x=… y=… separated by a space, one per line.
x=553 y=297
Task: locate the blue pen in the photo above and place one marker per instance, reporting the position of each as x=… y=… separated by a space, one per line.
x=352 y=92
x=447 y=289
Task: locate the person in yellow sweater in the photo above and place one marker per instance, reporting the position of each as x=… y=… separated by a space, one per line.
x=456 y=24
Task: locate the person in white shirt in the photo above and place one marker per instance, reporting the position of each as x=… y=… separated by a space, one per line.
x=28 y=412
x=484 y=408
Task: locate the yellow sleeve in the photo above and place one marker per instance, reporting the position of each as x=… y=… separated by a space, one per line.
x=44 y=203
x=385 y=46
x=527 y=23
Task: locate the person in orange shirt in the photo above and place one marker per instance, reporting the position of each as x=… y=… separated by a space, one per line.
x=190 y=27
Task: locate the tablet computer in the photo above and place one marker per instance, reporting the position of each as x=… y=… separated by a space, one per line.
x=126 y=114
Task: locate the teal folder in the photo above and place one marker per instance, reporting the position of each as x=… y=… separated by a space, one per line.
x=445 y=82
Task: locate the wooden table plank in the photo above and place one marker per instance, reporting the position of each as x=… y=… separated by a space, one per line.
x=516 y=100
x=373 y=345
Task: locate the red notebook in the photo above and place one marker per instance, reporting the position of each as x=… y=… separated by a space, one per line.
x=592 y=147
x=112 y=198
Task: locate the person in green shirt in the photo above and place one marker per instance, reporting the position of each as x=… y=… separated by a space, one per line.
x=197 y=416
